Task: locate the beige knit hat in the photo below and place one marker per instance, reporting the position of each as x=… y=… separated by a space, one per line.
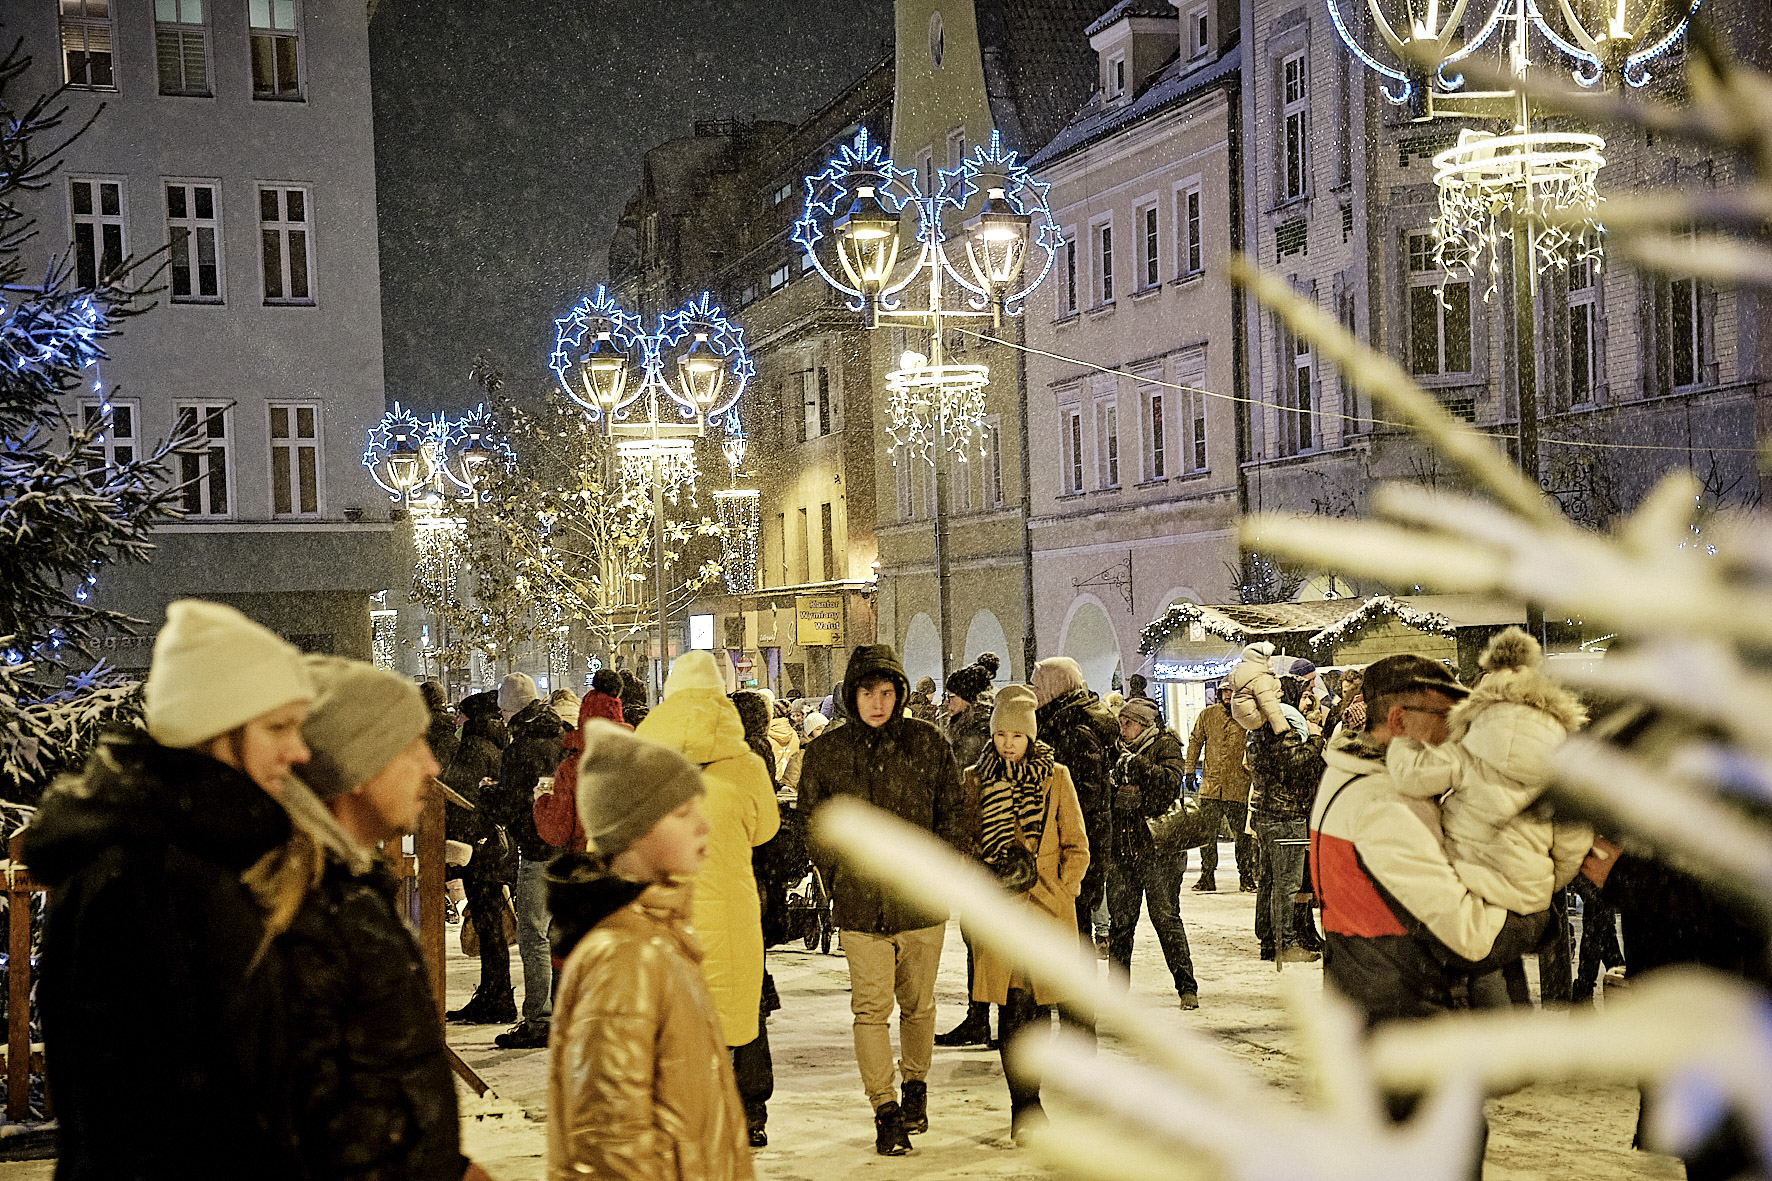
x=627 y=784
x=364 y=717
x=1014 y=712
x=215 y=670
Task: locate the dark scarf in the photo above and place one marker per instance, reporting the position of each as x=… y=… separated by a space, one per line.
x=1011 y=790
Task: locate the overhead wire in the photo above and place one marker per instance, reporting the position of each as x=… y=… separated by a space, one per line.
x=1354 y=418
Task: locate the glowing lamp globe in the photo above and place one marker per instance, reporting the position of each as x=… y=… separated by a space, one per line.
x=867 y=241
x=701 y=374
x=403 y=463
x=996 y=242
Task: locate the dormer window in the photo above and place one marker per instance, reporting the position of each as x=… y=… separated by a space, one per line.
x=1199 y=34
x=1116 y=76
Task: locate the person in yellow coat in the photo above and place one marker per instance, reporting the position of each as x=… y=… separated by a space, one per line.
x=1018 y=794
x=696 y=719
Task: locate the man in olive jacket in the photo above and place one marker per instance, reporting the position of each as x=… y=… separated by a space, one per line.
x=1224 y=790
x=904 y=766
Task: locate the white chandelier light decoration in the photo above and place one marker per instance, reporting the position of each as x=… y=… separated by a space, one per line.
x=1540 y=181
x=675 y=459
x=740 y=513
x=932 y=405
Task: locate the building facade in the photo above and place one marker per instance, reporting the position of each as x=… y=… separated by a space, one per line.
x=1136 y=341
x=235 y=145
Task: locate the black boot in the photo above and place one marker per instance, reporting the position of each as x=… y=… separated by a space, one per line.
x=485 y=1010
x=975 y=1030
x=915 y=1107
x=1206 y=885
x=890 y=1137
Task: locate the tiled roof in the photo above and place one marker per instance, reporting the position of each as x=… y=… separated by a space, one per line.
x=1037 y=68
x=1126 y=8
x=1174 y=83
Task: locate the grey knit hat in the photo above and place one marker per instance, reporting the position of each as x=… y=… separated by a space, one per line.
x=362 y=719
x=627 y=784
x=1141 y=710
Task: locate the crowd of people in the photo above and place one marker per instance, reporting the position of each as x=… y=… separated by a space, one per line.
x=223 y=936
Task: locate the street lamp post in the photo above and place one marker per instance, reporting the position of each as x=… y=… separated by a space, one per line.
x=974 y=231
x=1535 y=188
x=653 y=394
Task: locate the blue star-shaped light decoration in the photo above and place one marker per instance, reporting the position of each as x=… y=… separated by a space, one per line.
x=594 y=313
x=863 y=162
x=398 y=428
x=989 y=164
x=477 y=426
x=725 y=339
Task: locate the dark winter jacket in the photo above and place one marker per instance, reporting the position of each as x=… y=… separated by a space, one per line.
x=536 y=748
x=1284 y=771
x=904 y=767
x=164 y=1036
x=483 y=739
x=372 y=1084
x=1086 y=740
x=441 y=737
x=1146 y=781
x=969 y=731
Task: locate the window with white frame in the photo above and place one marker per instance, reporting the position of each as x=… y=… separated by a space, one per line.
x=926 y=170
x=1300 y=427
x=992 y=471
x=115 y=444
x=1104 y=263
x=1149 y=271
x=956 y=147
x=1294 y=116
x=99 y=240
x=1199 y=31
x=1116 y=75
x=1067 y=275
x=1439 y=314
x=1192 y=253
x=901 y=473
x=782 y=194
x=203 y=467
x=193 y=228
x=748 y=293
x=1107 y=442
x=1197 y=431
x=960 y=483
x=778 y=278
x=1154 y=410
x=1584 y=345
x=181 y=47
x=1070 y=420
x=286 y=244
x=815 y=404
x=1683 y=321
x=276 y=48
x=295 y=459
x=87 y=37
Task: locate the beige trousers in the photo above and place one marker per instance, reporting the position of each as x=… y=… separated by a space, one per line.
x=883 y=968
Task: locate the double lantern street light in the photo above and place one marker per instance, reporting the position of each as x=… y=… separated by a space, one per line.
x=653 y=394
x=871 y=231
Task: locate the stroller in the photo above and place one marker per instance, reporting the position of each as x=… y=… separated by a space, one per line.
x=796 y=904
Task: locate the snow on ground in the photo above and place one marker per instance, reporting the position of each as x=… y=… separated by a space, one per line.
x=820 y=1126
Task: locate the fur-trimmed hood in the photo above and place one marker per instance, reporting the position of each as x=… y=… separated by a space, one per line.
x=1513 y=664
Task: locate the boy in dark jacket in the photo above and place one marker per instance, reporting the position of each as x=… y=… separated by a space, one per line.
x=904 y=766
x=1284 y=772
x=1147 y=780
x=371 y=1084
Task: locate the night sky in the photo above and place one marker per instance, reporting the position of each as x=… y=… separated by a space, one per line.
x=509 y=136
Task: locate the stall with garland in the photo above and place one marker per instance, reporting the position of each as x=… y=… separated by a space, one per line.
x=1194 y=644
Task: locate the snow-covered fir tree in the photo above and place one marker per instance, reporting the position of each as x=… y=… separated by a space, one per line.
x=65 y=513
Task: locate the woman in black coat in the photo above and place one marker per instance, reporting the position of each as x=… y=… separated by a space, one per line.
x=493 y=865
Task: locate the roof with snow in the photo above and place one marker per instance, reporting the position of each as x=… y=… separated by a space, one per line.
x=1126 y=8
x=1175 y=83
x=1322 y=622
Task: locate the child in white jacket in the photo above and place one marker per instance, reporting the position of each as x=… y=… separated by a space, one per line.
x=1254 y=690
x=1490 y=774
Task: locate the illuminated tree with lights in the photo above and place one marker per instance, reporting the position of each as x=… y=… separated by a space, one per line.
x=68 y=507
